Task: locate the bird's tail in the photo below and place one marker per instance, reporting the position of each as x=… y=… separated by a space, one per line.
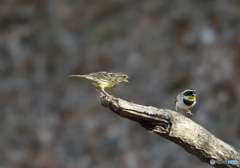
x=88 y=77
x=78 y=76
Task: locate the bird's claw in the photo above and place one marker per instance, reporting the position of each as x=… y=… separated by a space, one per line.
x=189 y=112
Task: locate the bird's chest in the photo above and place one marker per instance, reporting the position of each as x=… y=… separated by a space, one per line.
x=104 y=84
x=110 y=84
x=185 y=104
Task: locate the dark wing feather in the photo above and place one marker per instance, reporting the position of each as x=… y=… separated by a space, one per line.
x=103 y=76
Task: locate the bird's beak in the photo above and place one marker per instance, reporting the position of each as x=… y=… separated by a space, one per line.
x=126 y=81
x=194 y=93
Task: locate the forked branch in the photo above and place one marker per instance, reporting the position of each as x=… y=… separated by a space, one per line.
x=177 y=128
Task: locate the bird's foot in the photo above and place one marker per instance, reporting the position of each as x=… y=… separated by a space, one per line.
x=189 y=112
x=102 y=95
x=105 y=94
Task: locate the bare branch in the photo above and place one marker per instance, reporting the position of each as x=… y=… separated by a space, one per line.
x=177 y=128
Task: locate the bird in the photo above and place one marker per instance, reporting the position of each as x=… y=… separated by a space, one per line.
x=104 y=80
x=186 y=100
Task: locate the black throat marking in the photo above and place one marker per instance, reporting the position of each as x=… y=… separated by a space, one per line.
x=187 y=102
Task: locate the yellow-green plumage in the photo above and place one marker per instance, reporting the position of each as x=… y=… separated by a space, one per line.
x=102 y=80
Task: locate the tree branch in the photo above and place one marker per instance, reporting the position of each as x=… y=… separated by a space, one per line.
x=176 y=128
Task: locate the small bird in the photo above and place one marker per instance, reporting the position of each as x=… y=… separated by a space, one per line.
x=186 y=100
x=102 y=80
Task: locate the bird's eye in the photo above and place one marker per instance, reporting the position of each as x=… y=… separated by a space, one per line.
x=188 y=93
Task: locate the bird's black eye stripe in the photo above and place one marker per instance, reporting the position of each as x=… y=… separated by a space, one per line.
x=189 y=93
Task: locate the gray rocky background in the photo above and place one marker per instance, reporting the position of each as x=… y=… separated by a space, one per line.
x=48 y=120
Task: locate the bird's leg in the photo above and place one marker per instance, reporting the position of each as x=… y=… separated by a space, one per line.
x=97 y=89
x=189 y=112
x=106 y=94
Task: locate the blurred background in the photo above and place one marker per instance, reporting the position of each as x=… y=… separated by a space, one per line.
x=48 y=120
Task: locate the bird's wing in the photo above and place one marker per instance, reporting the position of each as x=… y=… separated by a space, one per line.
x=103 y=76
x=178 y=97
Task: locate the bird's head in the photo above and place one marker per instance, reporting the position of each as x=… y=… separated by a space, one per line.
x=121 y=77
x=190 y=94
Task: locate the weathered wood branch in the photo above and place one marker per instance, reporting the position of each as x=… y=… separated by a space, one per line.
x=177 y=128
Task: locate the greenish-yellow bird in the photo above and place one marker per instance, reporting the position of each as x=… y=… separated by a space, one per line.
x=104 y=80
